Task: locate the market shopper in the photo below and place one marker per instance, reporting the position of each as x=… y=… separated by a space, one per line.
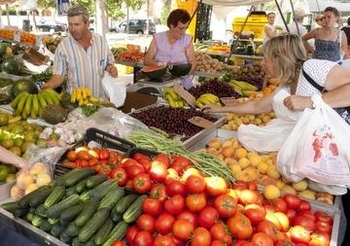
x=284 y=58
x=330 y=42
x=83 y=57
x=270 y=30
x=297 y=26
x=173 y=45
x=7 y=156
x=346 y=30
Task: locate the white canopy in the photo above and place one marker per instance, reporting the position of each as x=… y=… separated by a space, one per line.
x=234 y=2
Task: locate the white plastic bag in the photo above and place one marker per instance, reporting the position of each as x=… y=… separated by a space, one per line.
x=317 y=147
x=116 y=91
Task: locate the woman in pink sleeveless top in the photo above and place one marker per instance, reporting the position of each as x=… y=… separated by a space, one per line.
x=173 y=45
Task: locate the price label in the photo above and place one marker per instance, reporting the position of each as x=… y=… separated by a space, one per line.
x=228 y=101
x=201 y=122
x=179 y=89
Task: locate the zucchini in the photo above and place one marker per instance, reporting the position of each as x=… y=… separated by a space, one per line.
x=69 y=214
x=112 y=197
x=96 y=221
x=73 y=177
x=26 y=200
x=101 y=235
x=45 y=225
x=115 y=216
x=41 y=210
x=56 y=195
x=53 y=221
x=124 y=203
x=29 y=217
x=71 y=190
x=118 y=232
x=135 y=210
x=64 y=237
x=35 y=201
x=75 y=242
x=10 y=206
x=95 y=180
x=99 y=191
x=89 y=209
x=56 y=210
x=37 y=220
x=20 y=212
x=72 y=230
x=56 y=229
x=81 y=186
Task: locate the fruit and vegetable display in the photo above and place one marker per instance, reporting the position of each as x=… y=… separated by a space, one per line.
x=51 y=41
x=156 y=198
x=7 y=173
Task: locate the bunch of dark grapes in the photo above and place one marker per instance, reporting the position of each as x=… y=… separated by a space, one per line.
x=253 y=74
x=172 y=120
x=216 y=87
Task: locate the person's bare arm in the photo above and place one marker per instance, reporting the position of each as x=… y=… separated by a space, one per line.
x=344 y=46
x=54 y=82
x=269 y=32
x=7 y=156
x=264 y=105
x=306 y=38
x=150 y=54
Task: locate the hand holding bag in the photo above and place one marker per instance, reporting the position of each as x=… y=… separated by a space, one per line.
x=116 y=91
x=317 y=147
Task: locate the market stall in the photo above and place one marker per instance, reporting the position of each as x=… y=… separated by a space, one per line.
x=157 y=171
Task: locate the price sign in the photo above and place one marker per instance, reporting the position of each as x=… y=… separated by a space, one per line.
x=201 y=122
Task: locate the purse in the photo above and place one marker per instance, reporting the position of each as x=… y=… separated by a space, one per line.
x=344 y=112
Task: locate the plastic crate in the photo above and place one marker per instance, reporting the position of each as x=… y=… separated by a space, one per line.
x=105 y=139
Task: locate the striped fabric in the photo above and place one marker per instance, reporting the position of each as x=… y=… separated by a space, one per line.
x=83 y=68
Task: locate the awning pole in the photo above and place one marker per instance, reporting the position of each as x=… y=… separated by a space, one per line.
x=292 y=7
x=280 y=11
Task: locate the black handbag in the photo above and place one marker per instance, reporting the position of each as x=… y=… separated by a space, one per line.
x=344 y=112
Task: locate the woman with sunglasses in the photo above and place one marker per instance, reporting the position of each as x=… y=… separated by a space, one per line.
x=330 y=42
x=173 y=45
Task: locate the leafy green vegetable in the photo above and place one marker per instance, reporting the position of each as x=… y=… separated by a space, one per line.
x=90 y=109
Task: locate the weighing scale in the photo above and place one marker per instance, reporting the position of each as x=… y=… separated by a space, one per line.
x=146 y=86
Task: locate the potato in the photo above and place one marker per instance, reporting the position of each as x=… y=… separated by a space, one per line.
x=43 y=179
x=23 y=181
x=38 y=168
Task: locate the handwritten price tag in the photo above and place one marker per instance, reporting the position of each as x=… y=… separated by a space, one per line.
x=201 y=122
x=228 y=101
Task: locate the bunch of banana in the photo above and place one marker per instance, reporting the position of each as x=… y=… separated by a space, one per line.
x=207 y=99
x=174 y=100
x=83 y=96
x=242 y=87
x=30 y=105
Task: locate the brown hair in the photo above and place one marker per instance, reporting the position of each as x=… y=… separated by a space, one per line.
x=178 y=15
x=78 y=10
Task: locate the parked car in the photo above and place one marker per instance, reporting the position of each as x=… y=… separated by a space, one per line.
x=51 y=26
x=137 y=26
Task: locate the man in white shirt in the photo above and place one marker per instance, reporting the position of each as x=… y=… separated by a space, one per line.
x=296 y=27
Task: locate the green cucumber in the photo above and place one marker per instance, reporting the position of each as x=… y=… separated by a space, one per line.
x=73 y=177
x=45 y=225
x=81 y=186
x=64 y=237
x=89 y=209
x=112 y=197
x=124 y=203
x=37 y=220
x=94 y=223
x=56 y=229
x=10 y=206
x=40 y=198
x=41 y=210
x=135 y=210
x=72 y=230
x=26 y=200
x=118 y=232
x=56 y=210
x=95 y=180
x=56 y=195
x=102 y=234
x=69 y=214
x=99 y=191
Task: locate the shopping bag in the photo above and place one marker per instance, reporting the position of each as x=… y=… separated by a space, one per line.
x=316 y=147
x=116 y=91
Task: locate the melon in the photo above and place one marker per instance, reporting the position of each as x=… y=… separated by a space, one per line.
x=23 y=85
x=154 y=72
x=11 y=66
x=180 y=69
x=54 y=114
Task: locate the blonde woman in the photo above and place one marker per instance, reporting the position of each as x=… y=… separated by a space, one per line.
x=330 y=42
x=284 y=58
